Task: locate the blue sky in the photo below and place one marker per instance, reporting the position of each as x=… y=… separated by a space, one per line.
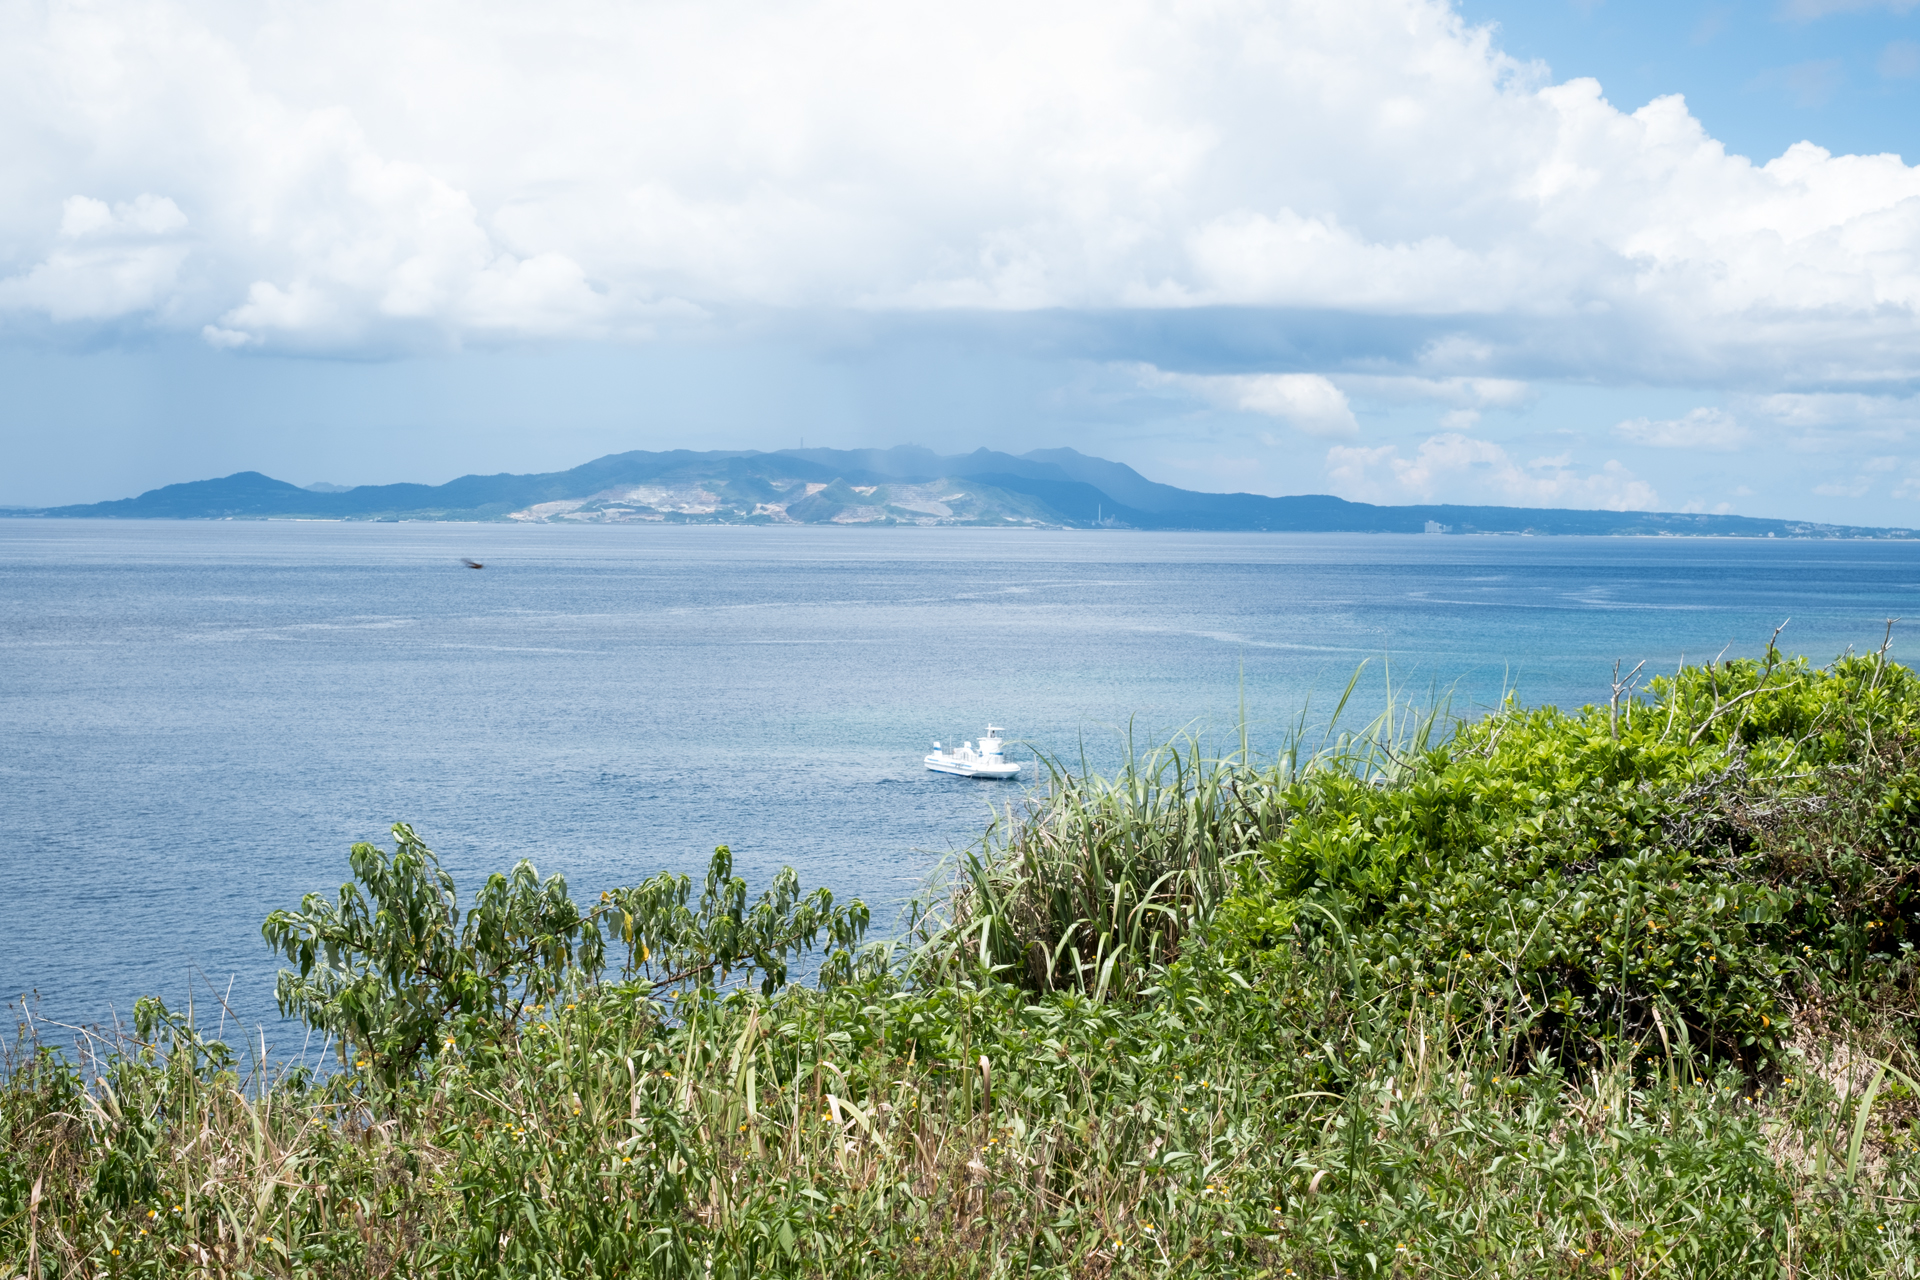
x=1569 y=254
x=1759 y=76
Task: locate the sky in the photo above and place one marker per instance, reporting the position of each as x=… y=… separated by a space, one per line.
x=1582 y=253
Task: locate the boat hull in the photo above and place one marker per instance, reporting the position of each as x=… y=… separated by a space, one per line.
x=965 y=769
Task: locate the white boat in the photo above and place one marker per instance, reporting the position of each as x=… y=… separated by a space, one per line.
x=988 y=761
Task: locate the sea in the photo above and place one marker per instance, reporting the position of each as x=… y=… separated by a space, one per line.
x=197 y=719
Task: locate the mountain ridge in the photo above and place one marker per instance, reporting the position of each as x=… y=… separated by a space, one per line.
x=904 y=485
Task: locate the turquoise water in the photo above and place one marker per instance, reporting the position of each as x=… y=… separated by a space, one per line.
x=199 y=718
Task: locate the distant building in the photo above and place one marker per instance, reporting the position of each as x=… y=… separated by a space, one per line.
x=1434 y=526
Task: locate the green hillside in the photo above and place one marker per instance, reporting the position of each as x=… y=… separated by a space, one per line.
x=1050 y=488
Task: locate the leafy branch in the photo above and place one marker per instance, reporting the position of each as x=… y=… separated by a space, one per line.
x=392 y=969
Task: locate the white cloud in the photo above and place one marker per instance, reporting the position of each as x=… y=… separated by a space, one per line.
x=1466 y=393
x=1468 y=470
x=226 y=339
x=106 y=261
x=1831 y=409
x=1836 y=422
x=1305 y=401
x=1704 y=428
x=1855 y=488
x=364 y=177
x=1862 y=482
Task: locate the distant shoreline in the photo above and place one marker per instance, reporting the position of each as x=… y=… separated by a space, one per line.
x=900 y=487
x=1824 y=533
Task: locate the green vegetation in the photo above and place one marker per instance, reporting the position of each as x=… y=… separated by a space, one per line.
x=1622 y=992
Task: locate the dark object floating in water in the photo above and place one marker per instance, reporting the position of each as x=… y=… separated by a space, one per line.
x=472 y=564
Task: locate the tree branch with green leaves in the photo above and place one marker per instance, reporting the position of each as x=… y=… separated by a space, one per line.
x=393 y=970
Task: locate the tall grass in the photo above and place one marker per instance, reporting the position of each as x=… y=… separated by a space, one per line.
x=1091 y=884
x=965 y=1132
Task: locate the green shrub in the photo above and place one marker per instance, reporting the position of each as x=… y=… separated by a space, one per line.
x=393 y=972
x=389 y=966
x=1587 y=872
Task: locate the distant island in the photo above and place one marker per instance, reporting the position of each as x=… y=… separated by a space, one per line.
x=1046 y=488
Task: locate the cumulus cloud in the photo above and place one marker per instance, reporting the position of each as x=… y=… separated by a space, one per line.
x=106 y=261
x=361 y=178
x=1305 y=401
x=1470 y=470
x=1704 y=428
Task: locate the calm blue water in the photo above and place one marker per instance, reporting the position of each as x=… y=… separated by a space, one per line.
x=197 y=719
